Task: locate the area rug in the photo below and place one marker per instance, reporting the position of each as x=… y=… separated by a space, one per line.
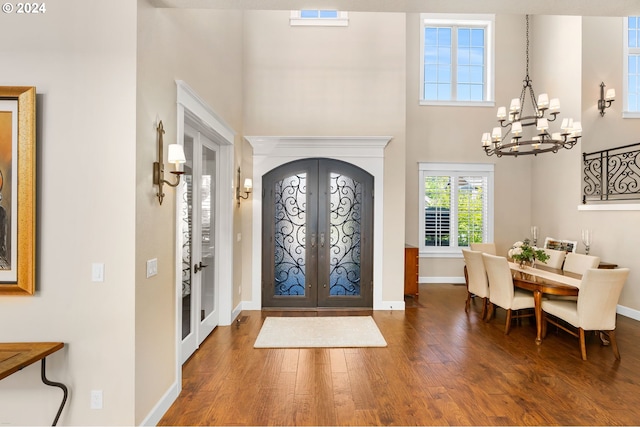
x=299 y=332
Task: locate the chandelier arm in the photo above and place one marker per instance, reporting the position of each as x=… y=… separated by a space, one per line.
x=532 y=94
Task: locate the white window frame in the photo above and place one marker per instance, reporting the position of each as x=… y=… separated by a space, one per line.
x=626 y=114
x=296 y=19
x=482 y=20
x=454 y=170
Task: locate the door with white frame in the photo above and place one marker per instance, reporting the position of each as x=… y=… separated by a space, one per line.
x=198 y=225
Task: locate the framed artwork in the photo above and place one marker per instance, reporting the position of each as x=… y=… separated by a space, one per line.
x=17 y=189
x=560 y=245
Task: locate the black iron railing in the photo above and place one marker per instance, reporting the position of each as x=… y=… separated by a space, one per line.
x=611 y=175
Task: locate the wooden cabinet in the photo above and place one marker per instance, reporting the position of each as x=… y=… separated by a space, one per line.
x=411 y=272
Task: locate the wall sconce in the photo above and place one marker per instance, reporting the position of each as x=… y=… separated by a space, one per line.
x=248 y=185
x=175 y=155
x=605 y=100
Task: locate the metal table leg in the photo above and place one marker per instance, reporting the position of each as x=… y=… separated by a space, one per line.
x=54 y=384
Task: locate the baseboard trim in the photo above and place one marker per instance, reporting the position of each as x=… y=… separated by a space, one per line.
x=236 y=312
x=454 y=279
x=628 y=312
x=389 y=305
x=163 y=405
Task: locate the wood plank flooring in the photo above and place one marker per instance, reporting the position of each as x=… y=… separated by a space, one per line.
x=441 y=367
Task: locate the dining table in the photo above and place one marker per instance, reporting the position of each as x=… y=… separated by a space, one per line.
x=542 y=280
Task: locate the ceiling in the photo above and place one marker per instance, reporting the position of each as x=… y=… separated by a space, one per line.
x=533 y=7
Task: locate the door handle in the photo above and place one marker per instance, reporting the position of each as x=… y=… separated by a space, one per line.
x=313 y=240
x=199 y=267
x=322 y=240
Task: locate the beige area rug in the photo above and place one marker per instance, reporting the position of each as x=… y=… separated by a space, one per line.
x=297 y=332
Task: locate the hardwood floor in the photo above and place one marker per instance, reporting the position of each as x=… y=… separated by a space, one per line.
x=441 y=367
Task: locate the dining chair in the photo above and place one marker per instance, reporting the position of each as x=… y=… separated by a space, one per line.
x=487 y=248
x=579 y=263
x=477 y=282
x=595 y=309
x=502 y=292
x=556 y=258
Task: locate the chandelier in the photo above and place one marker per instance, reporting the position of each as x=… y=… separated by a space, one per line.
x=515 y=121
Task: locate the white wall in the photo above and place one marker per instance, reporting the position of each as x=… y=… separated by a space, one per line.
x=615 y=233
x=452 y=134
x=584 y=56
x=84 y=72
x=339 y=81
x=556 y=59
x=202 y=48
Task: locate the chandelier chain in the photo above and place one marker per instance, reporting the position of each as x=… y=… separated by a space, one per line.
x=527 y=48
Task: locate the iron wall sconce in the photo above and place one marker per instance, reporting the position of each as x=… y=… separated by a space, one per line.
x=605 y=100
x=175 y=155
x=248 y=185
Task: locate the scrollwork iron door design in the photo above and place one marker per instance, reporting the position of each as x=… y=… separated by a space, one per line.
x=317 y=235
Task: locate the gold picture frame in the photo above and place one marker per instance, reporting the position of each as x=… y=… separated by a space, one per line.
x=17 y=189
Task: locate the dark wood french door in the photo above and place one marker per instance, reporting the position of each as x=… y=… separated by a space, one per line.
x=317 y=228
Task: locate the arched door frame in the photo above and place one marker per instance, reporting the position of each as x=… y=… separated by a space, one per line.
x=271 y=152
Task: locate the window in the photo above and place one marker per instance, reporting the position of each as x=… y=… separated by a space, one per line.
x=456 y=65
x=318 y=17
x=631 y=67
x=456 y=207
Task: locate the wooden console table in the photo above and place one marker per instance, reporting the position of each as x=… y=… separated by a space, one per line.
x=15 y=356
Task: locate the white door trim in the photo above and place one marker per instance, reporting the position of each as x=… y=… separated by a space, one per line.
x=269 y=152
x=197 y=112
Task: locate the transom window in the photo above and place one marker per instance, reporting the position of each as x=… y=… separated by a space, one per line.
x=319 y=17
x=456 y=207
x=457 y=59
x=631 y=67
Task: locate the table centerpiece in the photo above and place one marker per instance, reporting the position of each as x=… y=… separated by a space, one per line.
x=525 y=254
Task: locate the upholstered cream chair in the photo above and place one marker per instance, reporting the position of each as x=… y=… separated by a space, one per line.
x=487 y=248
x=579 y=263
x=556 y=258
x=477 y=283
x=502 y=292
x=595 y=309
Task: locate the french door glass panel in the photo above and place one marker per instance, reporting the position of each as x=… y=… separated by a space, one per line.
x=207 y=232
x=198 y=230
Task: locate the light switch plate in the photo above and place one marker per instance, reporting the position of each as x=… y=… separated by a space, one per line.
x=152 y=267
x=97 y=272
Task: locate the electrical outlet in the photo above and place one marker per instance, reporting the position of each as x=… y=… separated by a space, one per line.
x=96 y=399
x=152 y=267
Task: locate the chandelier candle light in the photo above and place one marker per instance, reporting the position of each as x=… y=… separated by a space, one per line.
x=545 y=110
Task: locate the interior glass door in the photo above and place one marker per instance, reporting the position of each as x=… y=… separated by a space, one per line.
x=198 y=233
